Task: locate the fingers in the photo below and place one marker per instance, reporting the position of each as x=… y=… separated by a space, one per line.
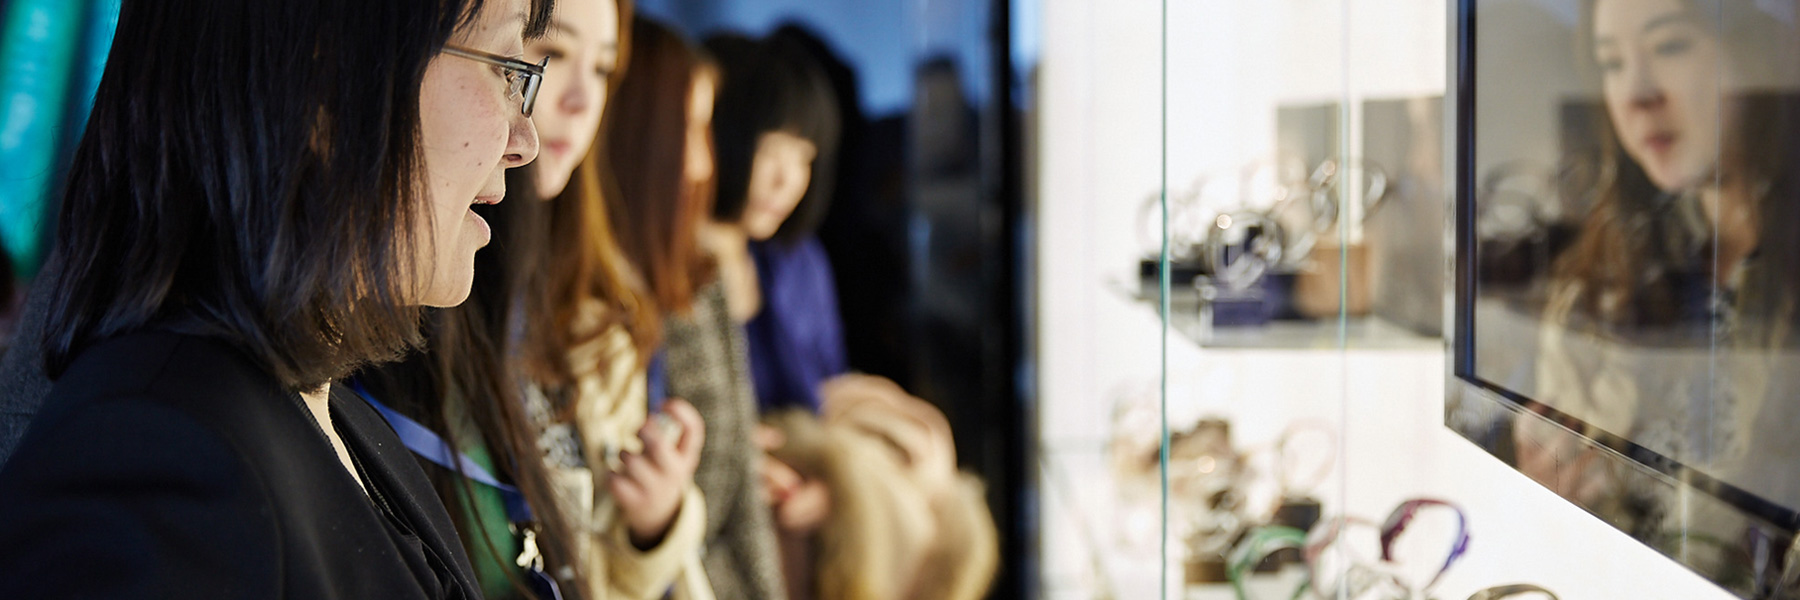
x=778 y=480
x=629 y=492
x=671 y=453
x=767 y=438
x=640 y=480
x=842 y=394
x=648 y=497
x=648 y=485
x=659 y=445
x=914 y=426
x=693 y=428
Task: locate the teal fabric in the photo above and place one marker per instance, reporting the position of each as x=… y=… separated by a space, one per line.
x=485 y=515
x=53 y=52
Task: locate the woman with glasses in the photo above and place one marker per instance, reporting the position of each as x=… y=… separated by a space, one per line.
x=538 y=380
x=266 y=197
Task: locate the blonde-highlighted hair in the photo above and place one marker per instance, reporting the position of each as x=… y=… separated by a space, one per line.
x=887 y=537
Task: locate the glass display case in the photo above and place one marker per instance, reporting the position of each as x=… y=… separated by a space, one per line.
x=1624 y=292
x=1251 y=323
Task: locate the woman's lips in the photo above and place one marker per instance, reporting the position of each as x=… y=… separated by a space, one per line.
x=481 y=224
x=558 y=148
x=1660 y=143
x=487 y=232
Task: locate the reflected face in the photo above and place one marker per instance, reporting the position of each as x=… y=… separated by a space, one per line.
x=1662 y=71
x=780 y=172
x=583 y=48
x=470 y=133
x=698 y=163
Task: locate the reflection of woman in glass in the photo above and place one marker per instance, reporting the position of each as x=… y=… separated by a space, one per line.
x=1681 y=254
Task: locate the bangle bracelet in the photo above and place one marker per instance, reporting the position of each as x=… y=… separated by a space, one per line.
x=1353 y=574
x=1284 y=454
x=1507 y=591
x=1403 y=515
x=1262 y=542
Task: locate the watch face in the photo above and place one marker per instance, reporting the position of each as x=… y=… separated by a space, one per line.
x=1242 y=246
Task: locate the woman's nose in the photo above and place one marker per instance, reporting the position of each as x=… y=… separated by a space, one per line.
x=1644 y=88
x=575 y=98
x=521 y=142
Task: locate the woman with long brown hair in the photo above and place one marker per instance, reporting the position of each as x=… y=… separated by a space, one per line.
x=625 y=467
x=1665 y=319
x=660 y=155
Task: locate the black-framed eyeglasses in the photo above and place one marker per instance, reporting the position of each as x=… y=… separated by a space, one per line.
x=522 y=78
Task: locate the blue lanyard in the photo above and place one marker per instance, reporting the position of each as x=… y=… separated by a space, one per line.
x=429 y=446
x=656 y=378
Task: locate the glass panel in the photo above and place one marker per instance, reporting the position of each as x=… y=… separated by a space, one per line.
x=1628 y=294
x=1627 y=302
x=1264 y=203
x=1098 y=242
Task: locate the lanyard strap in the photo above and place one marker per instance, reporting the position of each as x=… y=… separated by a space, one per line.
x=656 y=378
x=421 y=440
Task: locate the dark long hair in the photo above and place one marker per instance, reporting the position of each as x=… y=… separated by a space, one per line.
x=254 y=167
x=658 y=212
x=467 y=366
x=774 y=85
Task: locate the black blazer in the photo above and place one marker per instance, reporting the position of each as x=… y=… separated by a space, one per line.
x=165 y=465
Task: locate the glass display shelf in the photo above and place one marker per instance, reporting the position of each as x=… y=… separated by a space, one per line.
x=1189 y=317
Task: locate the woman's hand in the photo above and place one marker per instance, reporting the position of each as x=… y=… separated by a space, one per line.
x=878 y=407
x=800 y=505
x=649 y=486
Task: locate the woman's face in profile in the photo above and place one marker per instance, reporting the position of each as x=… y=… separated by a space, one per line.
x=1662 y=70
x=583 y=48
x=780 y=172
x=471 y=132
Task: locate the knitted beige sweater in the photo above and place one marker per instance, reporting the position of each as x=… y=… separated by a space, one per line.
x=610 y=407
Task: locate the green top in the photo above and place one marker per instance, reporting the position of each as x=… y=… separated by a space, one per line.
x=485 y=515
